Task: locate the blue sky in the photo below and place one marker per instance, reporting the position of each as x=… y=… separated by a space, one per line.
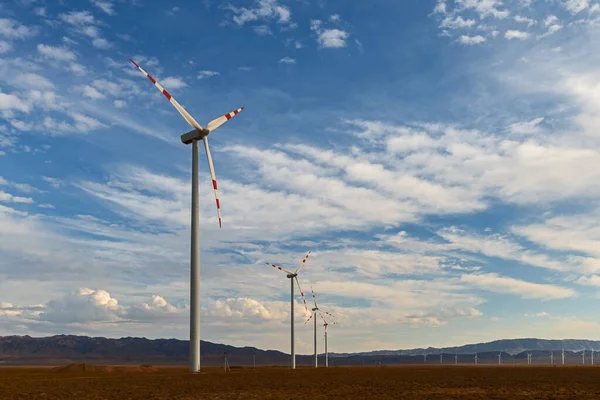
x=440 y=159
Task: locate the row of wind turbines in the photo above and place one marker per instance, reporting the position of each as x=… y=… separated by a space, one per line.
x=293 y=276
x=529 y=358
x=200 y=133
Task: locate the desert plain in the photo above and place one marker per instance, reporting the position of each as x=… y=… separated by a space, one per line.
x=83 y=381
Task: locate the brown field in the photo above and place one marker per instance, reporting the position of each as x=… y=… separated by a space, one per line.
x=409 y=382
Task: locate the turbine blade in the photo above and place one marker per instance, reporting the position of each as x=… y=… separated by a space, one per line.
x=303 y=262
x=215 y=123
x=326 y=313
x=213 y=176
x=279 y=268
x=301 y=293
x=308 y=320
x=190 y=120
x=314 y=298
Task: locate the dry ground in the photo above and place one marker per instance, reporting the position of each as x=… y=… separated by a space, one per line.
x=410 y=382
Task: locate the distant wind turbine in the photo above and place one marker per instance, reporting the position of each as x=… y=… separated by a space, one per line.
x=592 y=356
x=425 y=358
x=583 y=357
x=552 y=357
x=528 y=358
x=563 y=356
x=476 y=359
x=499 y=358
x=294 y=276
x=455 y=359
x=441 y=358
x=316 y=310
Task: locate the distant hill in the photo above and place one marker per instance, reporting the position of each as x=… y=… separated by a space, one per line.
x=63 y=349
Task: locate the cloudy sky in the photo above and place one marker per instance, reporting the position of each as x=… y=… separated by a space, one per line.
x=440 y=159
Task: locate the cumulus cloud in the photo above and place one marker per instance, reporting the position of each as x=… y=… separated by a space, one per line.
x=56 y=53
x=268 y=10
x=207 y=74
x=514 y=34
x=329 y=38
x=471 y=40
x=12 y=29
x=105 y=6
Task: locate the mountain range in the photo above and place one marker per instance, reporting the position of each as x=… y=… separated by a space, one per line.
x=60 y=349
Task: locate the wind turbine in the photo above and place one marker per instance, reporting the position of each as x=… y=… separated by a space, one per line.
x=476 y=358
x=441 y=358
x=552 y=357
x=499 y=358
x=294 y=276
x=563 y=356
x=456 y=359
x=583 y=357
x=425 y=358
x=192 y=138
x=325 y=324
x=592 y=356
x=528 y=358
x=315 y=310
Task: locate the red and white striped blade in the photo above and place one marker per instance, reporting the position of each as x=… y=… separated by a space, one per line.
x=215 y=123
x=308 y=320
x=213 y=176
x=326 y=313
x=314 y=298
x=279 y=268
x=301 y=293
x=303 y=262
x=190 y=120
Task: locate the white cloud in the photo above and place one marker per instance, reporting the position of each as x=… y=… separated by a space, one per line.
x=119 y=104
x=78 y=18
x=263 y=10
x=46 y=206
x=90 y=92
x=105 y=6
x=12 y=102
x=329 y=38
x=77 y=69
x=287 y=60
x=173 y=83
x=457 y=22
x=12 y=29
x=5 y=47
x=101 y=43
x=31 y=80
x=550 y=20
x=471 y=40
x=530 y=22
x=514 y=34
x=593 y=280
x=485 y=8
x=527 y=128
x=576 y=6
x=262 y=30
x=9 y=198
x=527 y=290
x=54 y=182
x=207 y=74
x=56 y=53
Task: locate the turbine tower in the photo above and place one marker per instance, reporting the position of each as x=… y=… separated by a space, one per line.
x=316 y=310
x=592 y=356
x=528 y=358
x=456 y=359
x=425 y=358
x=563 y=356
x=192 y=137
x=552 y=357
x=499 y=358
x=476 y=359
x=583 y=357
x=441 y=358
x=294 y=276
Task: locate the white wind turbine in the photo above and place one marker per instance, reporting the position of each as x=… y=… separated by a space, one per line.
x=425 y=358
x=499 y=358
x=316 y=310
x=528 y=358
x=592 y=356
x=441 y=358
x=192 y=137
x=563 y=356
x=476 y=359
x=583 y=357
x=552 y=357
x=294 y=276
x=455 y=359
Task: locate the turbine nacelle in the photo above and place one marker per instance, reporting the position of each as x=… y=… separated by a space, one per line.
x=188 y=138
